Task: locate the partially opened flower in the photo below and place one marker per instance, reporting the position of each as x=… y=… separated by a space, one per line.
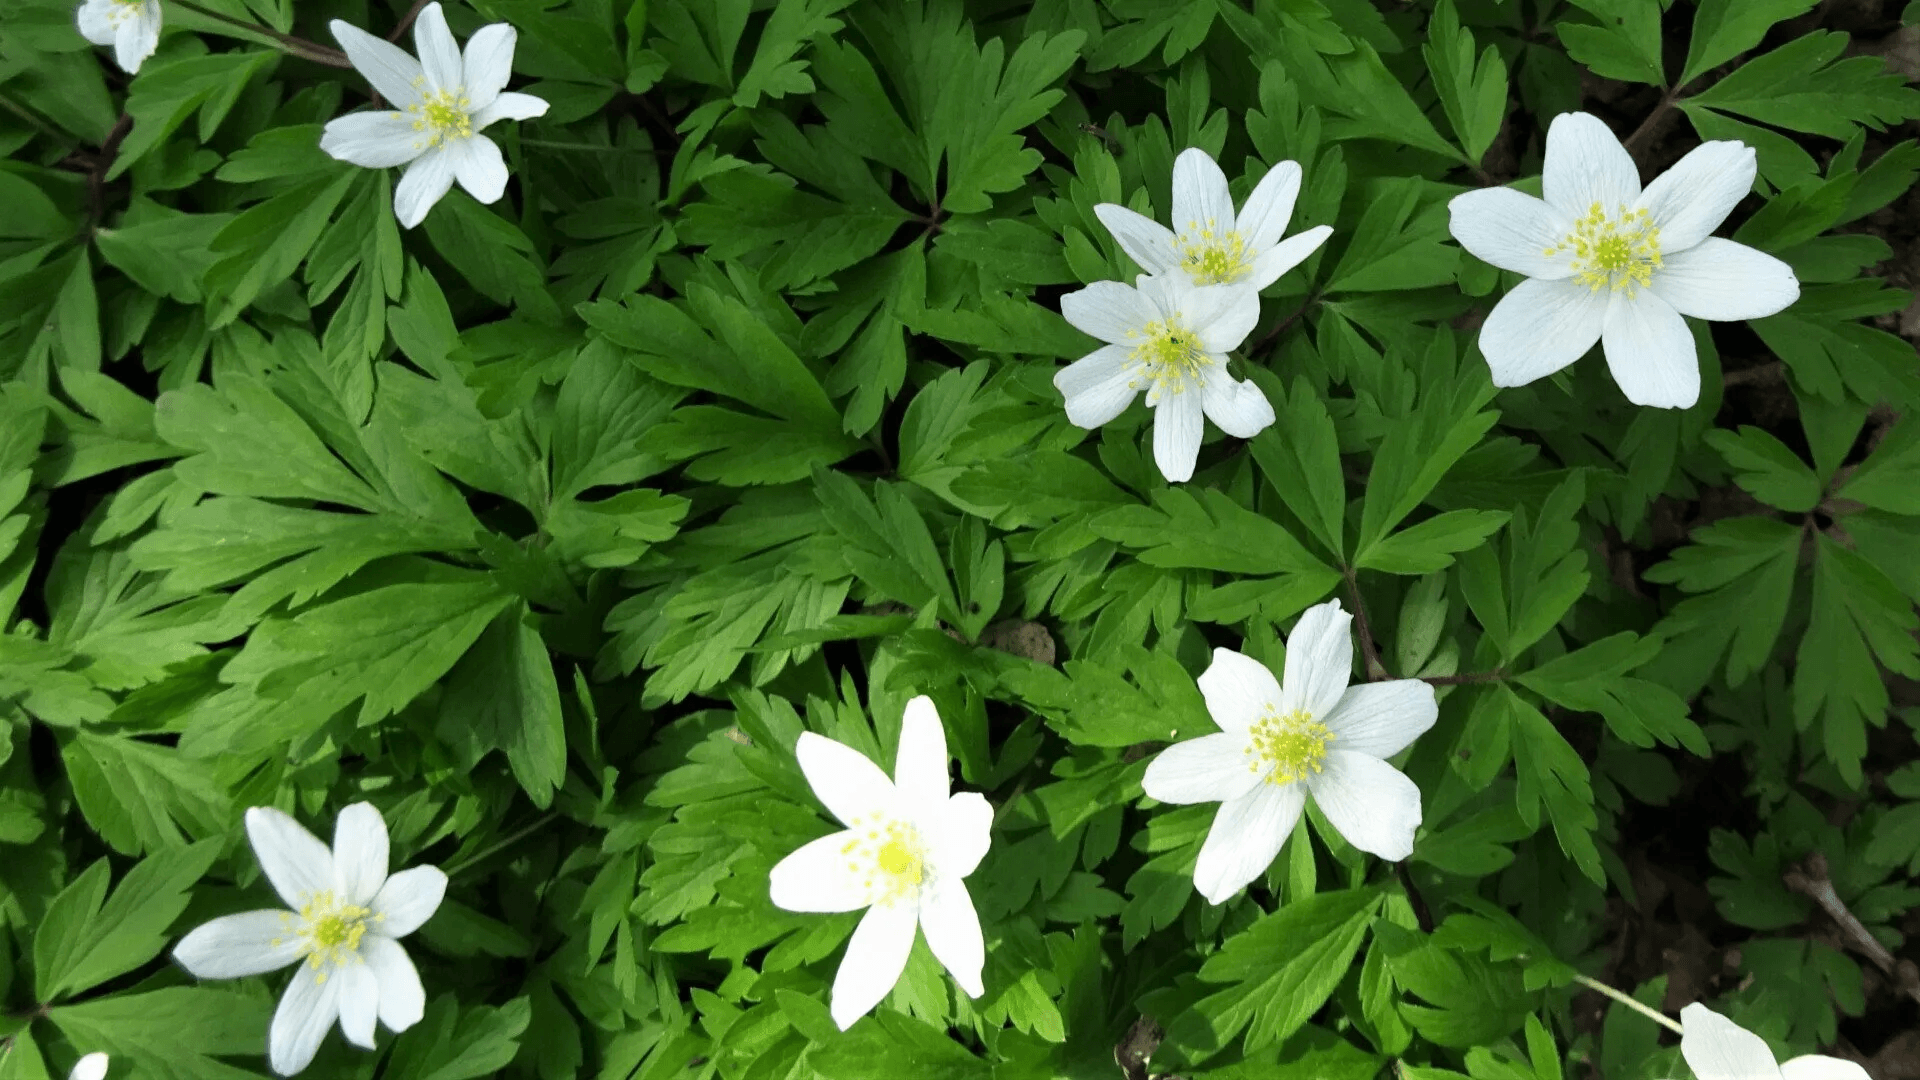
x=1170 y=338
x=906 y=846
x=1607 y=261
x=440 y=105
x=1214 y=245
x=91 y=1067
x=132 y=27
x=346 y=917
x=1716 y=1048
x=1309 y=734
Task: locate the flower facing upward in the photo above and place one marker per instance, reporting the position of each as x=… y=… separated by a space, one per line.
x=347 y=916
x=1169 y=338
x=91 y=1067
x=132 y=27
x=440 y=105
x=1215 y=246
x=1716 y=1048
x=1607 y=261
x=1310 y=734
x=906 y=847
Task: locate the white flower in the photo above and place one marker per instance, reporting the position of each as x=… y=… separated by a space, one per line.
x=132 y=27
x=1605 y=260
x=1214 y=245
x=906 y=846
x=1716 y=1048
x=1169 y=337
x=446 y=101
x=91 y=1067
x=347 y=914
x=1280 y=742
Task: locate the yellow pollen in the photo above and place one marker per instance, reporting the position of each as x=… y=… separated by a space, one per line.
x=1287 y=748
x=892 y=859
x=443 y=116
x=330 y=930
x=1169 y=356
x=1212 y=256
x=1619 y=251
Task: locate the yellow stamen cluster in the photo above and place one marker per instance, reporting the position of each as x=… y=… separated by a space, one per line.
x=1287 y=748
x=329 y=930
x=1211 y=255
x=123 y=10
x=890 y=856
x=1169 y=356
x=1619 y=252
x=442 y=116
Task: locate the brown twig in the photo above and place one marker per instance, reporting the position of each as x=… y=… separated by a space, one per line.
x=1136 y=1046
x=1267 y=338
x=1375 y=669
x=1467 y=677
x=406 y=20
x=1814 y=884
x=103 y=161
x=1773 y=371
x=296 y=46
x=1645 y=130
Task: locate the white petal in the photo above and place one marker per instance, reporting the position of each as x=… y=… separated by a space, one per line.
x=307 y=1010
x=385 y=65
x=1817 y=1067
x=876 y=955
x=402 y=999
x=426 y=180
x=1146 y=241
x=1246 y=835
x=818 y=876
x=91 y=1067
x=294 y=860
x=509 y=106
x=1690 y=200
x=1270 y=264
x=1369 y=802
x=1539 y=328
x=1177 y=426
x=1716 y=1048
x=1107 y=310
x=962 y=834
x=1650 y=352
x=920 y=761
x=843 y=779
x=953 y=934
x=1237 y=689
x=408 y=899
x=360 y=851
x=95 y=26
x=1586 y=165
x=1382 y=718
x=235 y=946
x=1236 y=407
x=1097 y=387
x=478 y=166
x=359 y=997
x=375 y=140
x=1200 y=197
x=488 y=63
x=1724 y=281
x=1220 y=315
x=1319 y=661
x=439 y=53
x=1512 y=230
x=1263 y=220
x=138 y=37
x=1211 y=768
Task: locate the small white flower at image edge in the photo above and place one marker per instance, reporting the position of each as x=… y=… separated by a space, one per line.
x=1280 y=741
x=347 y=916
x=1169 y=338
x=132 y=27
x=91 y=1067
x=1213 y=244
x=1716 y=1048
x=440 y=104
x=907 y=845
x=1607 y=261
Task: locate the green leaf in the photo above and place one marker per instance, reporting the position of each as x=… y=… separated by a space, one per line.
x=1207 y=531
x=263 y=246
x=166 y=256
x=168 y=92
x=503 y=695
x=1890 y=477
x=1431 y=544
x=892 y=1044
x=1858 y=617
x=1594 y=679
x=83 y=942
x=139 y=795
x=1805 y=86
x=1764 y=466
x=1400 y=242
x=1623 y=42
x=173 y=1033
x=1722 y=29
x=1474 y=95
x=1411 y=461
x=1365 y=100
x=1300 y=456
x=454 y=1044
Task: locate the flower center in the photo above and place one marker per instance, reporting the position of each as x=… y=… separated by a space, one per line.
x=890 y=855
x=1212 y=256
x=1287 y=748
x=1618 y=252
x=1169 y=355
x=123 y=10
x=329 y=930
x=442 y=116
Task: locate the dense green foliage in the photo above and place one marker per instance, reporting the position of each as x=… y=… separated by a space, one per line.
x=548 y=526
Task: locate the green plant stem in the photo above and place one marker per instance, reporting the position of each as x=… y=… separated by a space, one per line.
x=585 y=148
x=1468 y=677
x=406 y=20
x=484 y=853
x=287 y=43
x=1371 y=653
x=32 y=118
x=1650 y=1013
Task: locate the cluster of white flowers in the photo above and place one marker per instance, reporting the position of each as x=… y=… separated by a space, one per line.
x=1170 y=331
